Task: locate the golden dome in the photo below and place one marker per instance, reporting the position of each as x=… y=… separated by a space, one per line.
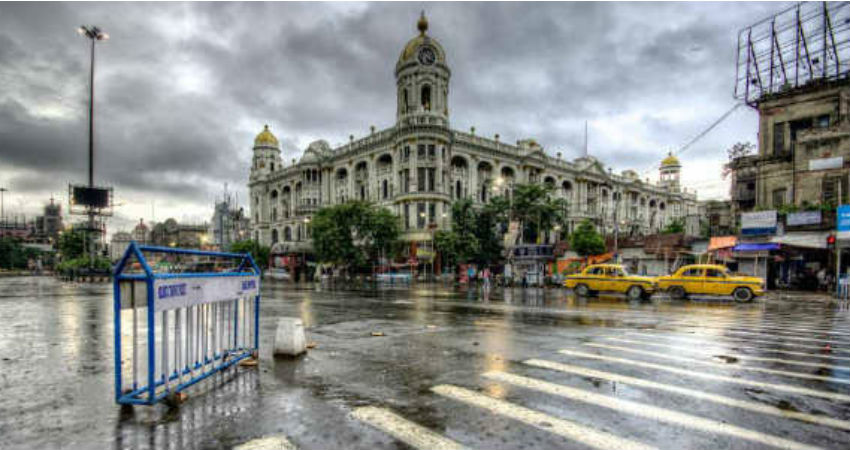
x=266 y=138
x=413 y=45
x=670 y=160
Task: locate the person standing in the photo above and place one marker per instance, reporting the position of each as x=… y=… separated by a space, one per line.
x=485 y=275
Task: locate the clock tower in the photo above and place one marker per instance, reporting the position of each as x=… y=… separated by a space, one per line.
x=422 y=79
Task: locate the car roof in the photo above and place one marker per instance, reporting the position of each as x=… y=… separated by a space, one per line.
x=704 y=266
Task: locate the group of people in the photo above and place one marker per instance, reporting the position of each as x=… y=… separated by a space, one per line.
x=484 y=276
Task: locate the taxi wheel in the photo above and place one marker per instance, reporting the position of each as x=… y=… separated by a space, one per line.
x=582 y=290
x=677 y=292
x=634 y=293
x=742 y=295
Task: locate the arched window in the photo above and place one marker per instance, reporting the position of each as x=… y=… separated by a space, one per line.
x=426 y=97
x=274 y=236
x=287 y=234
x=385 y=189
x=274 y=214
x=272 y=167
x=298 y=233
x=458 y=189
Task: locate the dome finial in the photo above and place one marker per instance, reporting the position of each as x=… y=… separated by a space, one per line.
x=422 y=24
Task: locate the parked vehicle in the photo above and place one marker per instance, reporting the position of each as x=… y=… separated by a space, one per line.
x=610 y=278
x=710 y=279
x=279 y=274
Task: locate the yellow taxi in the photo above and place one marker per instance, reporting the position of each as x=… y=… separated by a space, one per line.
x=609 y=278
x=710 y=279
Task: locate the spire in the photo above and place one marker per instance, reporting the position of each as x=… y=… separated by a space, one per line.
x=422 y=24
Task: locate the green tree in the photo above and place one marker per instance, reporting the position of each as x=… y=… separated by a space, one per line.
x=536 y=210
x=352 y=233
x=72 y=244
x=259 y=252
x=488 y=233
x=13 y=255
x=460 y=244
x=675 y=226
x=586 y=241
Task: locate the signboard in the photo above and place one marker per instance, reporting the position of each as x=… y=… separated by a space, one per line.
x=843 y=222
x=803 y=218
x=826 y=163
x=760 y=222
x=171 y=293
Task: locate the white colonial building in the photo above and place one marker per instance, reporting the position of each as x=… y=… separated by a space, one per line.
x=418 y=167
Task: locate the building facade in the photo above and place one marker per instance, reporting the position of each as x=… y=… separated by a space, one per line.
x=803 y=155
x=419 y=166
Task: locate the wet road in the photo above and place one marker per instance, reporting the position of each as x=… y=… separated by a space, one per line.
x=512 y=369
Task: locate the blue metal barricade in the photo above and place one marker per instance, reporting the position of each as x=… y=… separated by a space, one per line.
x=188 y=313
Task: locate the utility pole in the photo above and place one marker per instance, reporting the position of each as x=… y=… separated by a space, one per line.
x=94 y=34
x=2 y=210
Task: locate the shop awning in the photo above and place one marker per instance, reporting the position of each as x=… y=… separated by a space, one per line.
x=805 y=240
x=756 y=247
x=719 y=242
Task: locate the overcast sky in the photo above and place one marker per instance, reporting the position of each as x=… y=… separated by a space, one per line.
x=182 y=89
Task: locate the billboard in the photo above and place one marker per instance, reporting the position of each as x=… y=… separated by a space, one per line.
x=759 y=222
x=826 y=163
x=87 y=199
x=803 y=218
x=807 y=42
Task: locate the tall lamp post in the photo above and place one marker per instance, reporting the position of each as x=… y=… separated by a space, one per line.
x=94 y=34
x=2 y=210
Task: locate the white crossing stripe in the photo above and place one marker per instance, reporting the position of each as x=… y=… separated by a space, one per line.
x=790 y=338
x=734 y=355
x=710 y=376
x=720 y=399
x=785 y=373
x=570 y=430
x=404 y=430
x=276 y=442
x=776 y=329
x=714 y=341
x=648 y=411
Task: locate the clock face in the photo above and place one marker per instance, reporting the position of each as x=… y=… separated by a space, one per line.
x=427 y=56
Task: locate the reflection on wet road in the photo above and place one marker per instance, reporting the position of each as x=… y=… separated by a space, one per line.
x=502 y=369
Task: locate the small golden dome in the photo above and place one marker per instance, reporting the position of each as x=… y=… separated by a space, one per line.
x=422 y=39
x=422 y=24
x=670 y=160
x=266 y=138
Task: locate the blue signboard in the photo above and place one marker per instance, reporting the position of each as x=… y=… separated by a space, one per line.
x=843 y=222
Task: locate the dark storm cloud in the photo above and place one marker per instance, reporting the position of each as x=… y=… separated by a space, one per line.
x=183 y=88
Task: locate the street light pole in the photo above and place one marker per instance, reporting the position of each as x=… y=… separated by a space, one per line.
x=94 y=34
x=2 y=208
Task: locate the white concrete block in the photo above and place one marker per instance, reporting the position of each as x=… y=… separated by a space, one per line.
x=289 y=338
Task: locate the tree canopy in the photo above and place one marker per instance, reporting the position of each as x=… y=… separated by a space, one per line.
x=675 y=226
x=353 y=233
x=586 y=241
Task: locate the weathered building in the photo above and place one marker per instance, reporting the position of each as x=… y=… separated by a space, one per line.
x=417 y=167
x=803 y=150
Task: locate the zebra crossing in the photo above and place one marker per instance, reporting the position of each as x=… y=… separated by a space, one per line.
x=632 y=359
x=667 y=372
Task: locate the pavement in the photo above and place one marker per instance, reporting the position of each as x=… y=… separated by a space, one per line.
x=455 y=368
